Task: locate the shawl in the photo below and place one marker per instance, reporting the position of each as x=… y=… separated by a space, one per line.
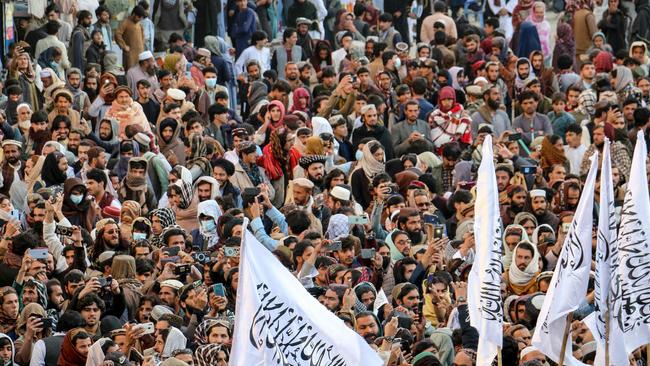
x=521 y=11
x=130 y=209
x=276 y=103
x=35 y=174
x=258 y=93
x=208 y=354
x=507 y=257
x=603 y=62
x=209 y=208
x=51 y=174
x=520 y=83
x=572 y=6
x=624 y=78
x=96 y=354
x=127 y=115
x=543 y=28
x=338 y=226
x=28 y=310
x=454 y=77
x=297 y=95
x=137 y=185
x=198 y=151
x=522 y=279
x=174 y=144
x=69 y=355
x=7 y=324
x=551 y=155
x=167 y=218
x=368 y=163
x=253 y=173
x=528 y=40
x=175 y=340
x=84 y=210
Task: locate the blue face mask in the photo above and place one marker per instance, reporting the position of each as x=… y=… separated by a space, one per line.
x=139 y=236
x=76 y=198
x=398 y=63
x=208 y=226
x=358 y=155
x=211 y=83
x=54 y=65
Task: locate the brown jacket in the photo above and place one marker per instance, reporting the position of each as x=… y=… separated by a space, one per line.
x=130 y=34
x=584 y=27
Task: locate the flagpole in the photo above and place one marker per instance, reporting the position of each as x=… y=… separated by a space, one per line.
x=607 y=325
x=499 y=359
x=567 y=328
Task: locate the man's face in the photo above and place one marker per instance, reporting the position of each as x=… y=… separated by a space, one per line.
x=6 y=353
x=143 y=91
x=599 y=136
x=403 y=244
x=536 y=88
x=91 y=314
x=62 y=130
x=301 y=195
x=367 y=328
x=538 y=205
x=523 y=70
x=220 y=175
x=537 y=61
x=24 y=114
x=384 y=81
x=56 y=296
x=75 y=80
x=413 y=224
x=628 y=112
x=111 y=235
x=644 y=85
x=346 y=256
x=638 y=53
x=83 y=346
x=30 y=295
x=166 y=81
x=10 y=305
x=176 y=241
x=523 y=257
x=412 y=111
x=168 y=296
x=291 y=71
x=588 y=72
x=316 y=171
x=370 y=118
x=422 y=203
x=503 y=179
x=512 y=240
x=493 y=73
x=74 y=139
x=175 y=114
x=204 y=191
x=292 y=39
x=12 y=153
x=529 y=106
x=410 y=300
x=331 y=300
x=142 y=252
x=518 y=200
x=572 y=98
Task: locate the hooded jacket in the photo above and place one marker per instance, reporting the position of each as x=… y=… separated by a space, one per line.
x=13 y=351
x=639 y=31
x=202 y=237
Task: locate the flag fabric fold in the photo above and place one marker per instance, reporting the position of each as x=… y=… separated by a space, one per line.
x=484 y=284
x=606 y=250
x=630 y=289
x=278 y=323
x=568 y=286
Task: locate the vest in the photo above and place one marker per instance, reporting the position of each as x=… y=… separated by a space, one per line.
x=388 y=39
x=53 y=346
x=86 y=44
x=281 y=57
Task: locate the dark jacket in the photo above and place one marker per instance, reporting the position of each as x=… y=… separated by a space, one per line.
x=379 y=133
x=639 y=31
x=612 y=26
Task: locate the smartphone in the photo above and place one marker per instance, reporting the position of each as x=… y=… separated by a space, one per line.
x=172 y=251
x=565 y=227
x=219 y=290
x=354 y=78
x=514 y=137
x=334 y=246
x=105 y=281
x=136 y=357
x=183 y=269
x=527 y=170
x=367 y=253
x=47 y=323
x=371 y=242
x=231 y=251
x=173 y=259
x=38 y=253
x=438 y=231
x=429 y=219
x=260 y=199
x=63 y=230
x=357 y=220
x=149 y=328
x=201 y=257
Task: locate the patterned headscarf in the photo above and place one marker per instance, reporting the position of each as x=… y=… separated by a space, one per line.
x=167 y=218
x=207 y=355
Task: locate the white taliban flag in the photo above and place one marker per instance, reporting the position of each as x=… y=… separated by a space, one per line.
x=606 y=249
x=630 y=286
x=484 y=285
x=568 y=286
x=277 y=322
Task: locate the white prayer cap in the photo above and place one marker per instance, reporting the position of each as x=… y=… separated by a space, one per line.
x=12 y=142
x=537 y=193
x=367 y=108
x=527 y=350
x=176 y=94
x=175 y=284
x=340 y=193
x=146 y=55
x=303 y=182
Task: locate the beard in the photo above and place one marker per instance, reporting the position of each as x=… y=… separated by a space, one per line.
x=385 y=262
x=493 y=104
x=318 y=182
x=599 y=145
x=516 y=208
x=415 y=236
x=151 y=71
x=370 y=337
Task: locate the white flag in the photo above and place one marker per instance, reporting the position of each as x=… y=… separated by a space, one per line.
x=484 y=285
x=568 y=286
x=606 y=248
x=277 y=322
x=630 y=286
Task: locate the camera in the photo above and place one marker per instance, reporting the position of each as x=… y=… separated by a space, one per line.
x=201 y=257
x=63 y=230
x=182 y=270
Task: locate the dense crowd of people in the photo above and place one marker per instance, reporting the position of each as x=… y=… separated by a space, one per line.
x=137 y=138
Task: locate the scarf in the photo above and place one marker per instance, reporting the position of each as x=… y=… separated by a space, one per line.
x=522 y=279
x=83 y=210
x=207 y=355
x=167 y=218
x=507 y=257
x=253 y=173
x=7 y=324
x=197 y=154
x=69 y=355
x=551 y=155
x=368 y=163
x=520 y=83
x=51 y=174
